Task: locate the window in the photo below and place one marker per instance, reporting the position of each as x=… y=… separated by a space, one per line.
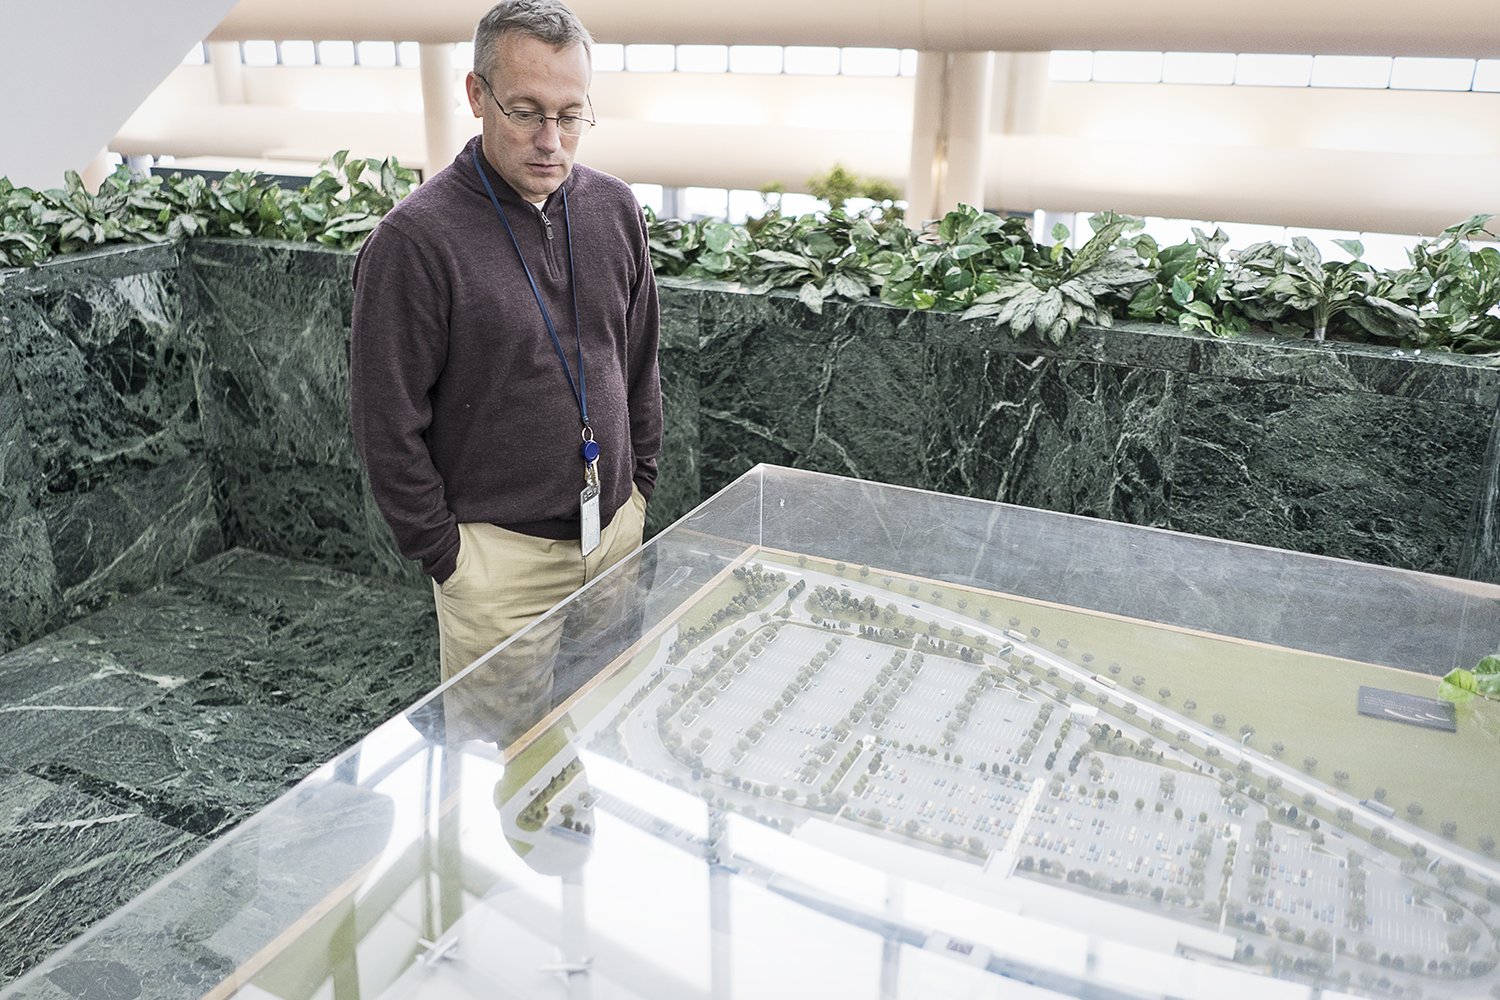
x=1409 y=73
x=1275 y=70
x=609 y=58
x=702 y=58
x=870 y=62
x=336 y=53
x=258 y=53
x=1127 y=67
x=1371 y=72
x=298 y=53
x=650 y=58
x=811 y=60
x=755 y=59
x=1215 y=68
x=380 y=55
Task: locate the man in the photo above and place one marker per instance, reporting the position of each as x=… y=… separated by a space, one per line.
x=503 y=375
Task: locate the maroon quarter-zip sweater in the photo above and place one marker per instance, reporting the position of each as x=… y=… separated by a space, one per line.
x=461 y=410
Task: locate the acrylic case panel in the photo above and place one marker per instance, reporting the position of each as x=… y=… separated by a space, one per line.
x=831 y=738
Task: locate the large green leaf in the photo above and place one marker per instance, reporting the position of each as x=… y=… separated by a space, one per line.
x=811 y=296
x=1458 y=686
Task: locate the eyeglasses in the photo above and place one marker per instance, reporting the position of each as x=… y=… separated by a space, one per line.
x=532 y=121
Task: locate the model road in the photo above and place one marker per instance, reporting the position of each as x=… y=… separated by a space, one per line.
x=1293 y=779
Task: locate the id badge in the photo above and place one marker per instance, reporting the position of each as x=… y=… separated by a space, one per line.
x=588 y=505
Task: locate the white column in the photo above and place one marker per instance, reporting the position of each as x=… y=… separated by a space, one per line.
x=970 y=82
x=229 y=75
x=950 y=120
x=923 y=178
x=439 y=105
x=1026 y=110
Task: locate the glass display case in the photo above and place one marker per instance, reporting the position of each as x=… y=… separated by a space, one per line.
x=827 y=738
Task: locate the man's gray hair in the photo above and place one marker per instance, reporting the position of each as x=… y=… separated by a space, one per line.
x=545 y=20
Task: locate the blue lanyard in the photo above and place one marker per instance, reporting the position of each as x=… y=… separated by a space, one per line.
x=580 y=392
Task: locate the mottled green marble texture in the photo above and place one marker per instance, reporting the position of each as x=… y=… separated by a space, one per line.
x=1345 y=450
x=106 y=483
x=133 y=737
x=160 y=404
x=165 y=409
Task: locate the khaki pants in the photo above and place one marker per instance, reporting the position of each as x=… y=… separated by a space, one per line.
x=503 y=580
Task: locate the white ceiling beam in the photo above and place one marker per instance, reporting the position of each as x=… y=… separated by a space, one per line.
x=1467 y=28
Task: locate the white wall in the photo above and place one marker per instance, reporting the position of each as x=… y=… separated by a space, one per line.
x=73 y=72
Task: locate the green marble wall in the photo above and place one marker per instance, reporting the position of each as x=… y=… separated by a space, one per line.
x=158 y=405
x=275 y=325
x=1344 y=450
x=106 y=485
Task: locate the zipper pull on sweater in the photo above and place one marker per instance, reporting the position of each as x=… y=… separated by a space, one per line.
x=546 y=222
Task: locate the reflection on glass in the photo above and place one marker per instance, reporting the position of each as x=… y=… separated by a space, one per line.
x=826 y=738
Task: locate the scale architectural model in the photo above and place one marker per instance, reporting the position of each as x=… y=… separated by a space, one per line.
x=1076 y=751
x=830 y=739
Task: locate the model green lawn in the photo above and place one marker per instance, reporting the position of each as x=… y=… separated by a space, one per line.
x=1306 y=701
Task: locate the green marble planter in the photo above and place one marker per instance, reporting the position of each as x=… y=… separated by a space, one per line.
x=160 y=404
x=1338 y=449
x=106 y=482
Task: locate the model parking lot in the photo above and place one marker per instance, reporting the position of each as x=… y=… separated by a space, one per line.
x=781 y=752
x=1031 y=813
